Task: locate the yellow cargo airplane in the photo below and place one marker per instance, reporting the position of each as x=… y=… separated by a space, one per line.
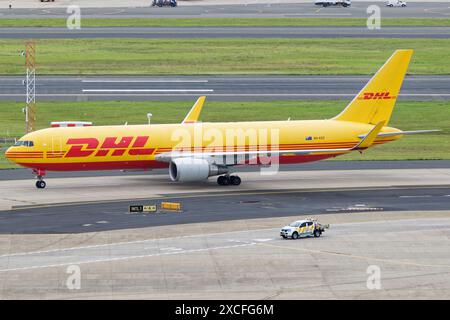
x=362 y=124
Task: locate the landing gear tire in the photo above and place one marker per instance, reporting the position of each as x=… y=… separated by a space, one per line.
x=228 y=180
x=40 y=184
x=235 y=180
x=223 y=181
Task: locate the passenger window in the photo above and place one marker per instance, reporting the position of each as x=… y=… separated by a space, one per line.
x=309 y=224
x=303 y=225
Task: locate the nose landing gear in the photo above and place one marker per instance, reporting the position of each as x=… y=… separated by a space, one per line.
x=40 y=183
x=228 y=180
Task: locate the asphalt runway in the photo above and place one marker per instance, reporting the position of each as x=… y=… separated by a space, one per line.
x=106 y=216
x=224 y=32
x=257 y=10
x=225 y=88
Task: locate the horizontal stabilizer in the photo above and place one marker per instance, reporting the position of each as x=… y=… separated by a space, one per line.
x=400 y=133
x=370 y=137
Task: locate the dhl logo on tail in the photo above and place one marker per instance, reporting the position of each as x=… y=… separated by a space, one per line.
x=376 y=96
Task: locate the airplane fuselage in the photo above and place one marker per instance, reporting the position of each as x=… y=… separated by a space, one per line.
x=136 y=146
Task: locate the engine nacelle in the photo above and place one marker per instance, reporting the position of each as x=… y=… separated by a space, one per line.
x=191 y=169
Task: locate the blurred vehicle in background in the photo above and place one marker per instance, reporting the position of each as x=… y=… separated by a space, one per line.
x=164 y=3
x=336 y=3
x=396 y=3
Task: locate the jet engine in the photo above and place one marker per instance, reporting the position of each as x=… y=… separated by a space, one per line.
x=191 y=169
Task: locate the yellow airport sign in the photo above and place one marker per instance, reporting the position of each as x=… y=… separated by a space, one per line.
x=171 y=206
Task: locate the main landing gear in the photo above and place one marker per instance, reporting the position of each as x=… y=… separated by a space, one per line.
x=228 y=180
x=40 y=183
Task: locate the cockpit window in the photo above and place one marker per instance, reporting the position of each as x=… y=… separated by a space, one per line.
x=24 y=144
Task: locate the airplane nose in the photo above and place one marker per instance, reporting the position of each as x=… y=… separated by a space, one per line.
x=8 y=153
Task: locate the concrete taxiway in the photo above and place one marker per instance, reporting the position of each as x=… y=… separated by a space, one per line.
x=238 y=88
x=242 y=259
x=224 y=32
x=214 y=9
x=225 y=244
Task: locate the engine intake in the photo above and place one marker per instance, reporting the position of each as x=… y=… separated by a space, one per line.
x=191 y=169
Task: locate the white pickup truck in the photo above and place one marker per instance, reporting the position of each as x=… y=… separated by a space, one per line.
x=303 y=228
x=396 y=3
x=336 y=3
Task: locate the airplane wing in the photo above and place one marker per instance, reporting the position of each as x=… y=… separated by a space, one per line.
x=168 y=156
x=363 y=144
x=194 y=113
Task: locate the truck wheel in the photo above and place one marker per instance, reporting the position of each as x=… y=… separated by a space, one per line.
x=295 y=236
x=317 y=233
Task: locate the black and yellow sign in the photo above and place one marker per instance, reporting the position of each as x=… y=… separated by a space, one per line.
x=143 y=208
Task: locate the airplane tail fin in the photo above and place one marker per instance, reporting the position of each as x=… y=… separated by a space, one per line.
x=375 y=102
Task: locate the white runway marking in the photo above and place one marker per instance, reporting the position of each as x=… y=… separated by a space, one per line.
x=319 y=14
x=131 y=242
x=126 y=257
x=171 y=249
x=148 y=90
x=424 y=196
x=143 y=81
